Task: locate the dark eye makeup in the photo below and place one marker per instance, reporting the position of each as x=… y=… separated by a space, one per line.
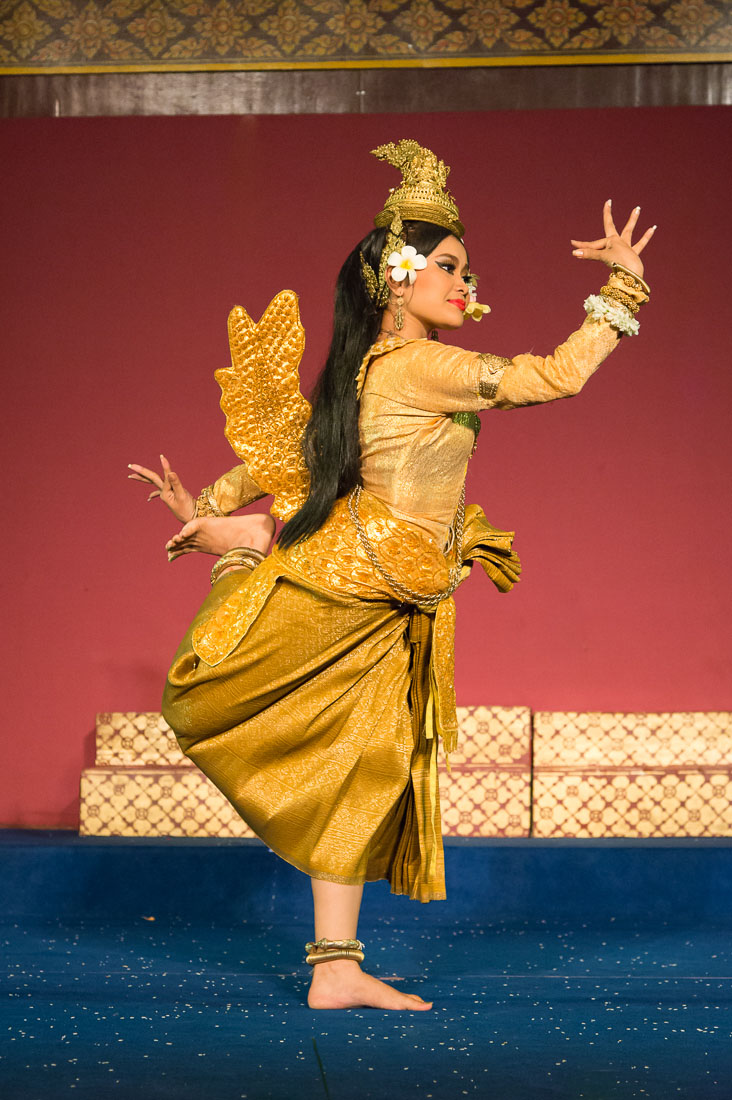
x=450 y=264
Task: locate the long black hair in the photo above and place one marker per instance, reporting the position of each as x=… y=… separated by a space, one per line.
x=331 y=441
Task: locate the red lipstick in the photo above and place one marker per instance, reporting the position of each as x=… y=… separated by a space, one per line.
x=459 y=302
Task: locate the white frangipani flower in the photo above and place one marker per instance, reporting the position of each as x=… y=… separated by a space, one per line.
x=406 y=264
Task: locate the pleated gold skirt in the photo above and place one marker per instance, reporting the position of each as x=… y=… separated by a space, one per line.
x=313 y=729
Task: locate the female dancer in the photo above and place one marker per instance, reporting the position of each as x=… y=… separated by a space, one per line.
x=314 y=682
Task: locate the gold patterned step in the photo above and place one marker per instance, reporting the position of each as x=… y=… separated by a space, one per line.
x=136 y=739
x=140 y=801
x=489 y=790
x=182 y=802
x=482 y=802
x=632 y=775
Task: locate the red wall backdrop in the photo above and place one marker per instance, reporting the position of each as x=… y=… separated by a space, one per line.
x=126 y=242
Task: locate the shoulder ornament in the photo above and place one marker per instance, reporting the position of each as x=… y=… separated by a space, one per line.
x=265 y=412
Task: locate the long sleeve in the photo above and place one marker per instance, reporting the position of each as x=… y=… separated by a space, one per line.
x=533 y=379
x=433 y=377
x=439 y=378
x=234 y=489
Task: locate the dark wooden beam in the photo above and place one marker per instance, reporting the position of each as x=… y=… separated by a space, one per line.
x=343 y=91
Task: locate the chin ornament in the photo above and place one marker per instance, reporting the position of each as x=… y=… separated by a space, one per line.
x=474 y=308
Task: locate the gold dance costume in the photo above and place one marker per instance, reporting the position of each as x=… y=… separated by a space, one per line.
x=308 y=691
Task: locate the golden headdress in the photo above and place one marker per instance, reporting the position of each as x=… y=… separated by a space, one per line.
x=423 y=194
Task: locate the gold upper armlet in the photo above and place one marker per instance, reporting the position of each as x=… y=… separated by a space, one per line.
x=491 y=372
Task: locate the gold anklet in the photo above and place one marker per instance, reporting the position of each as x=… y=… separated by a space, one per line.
x=329 y=950
x=240 y=556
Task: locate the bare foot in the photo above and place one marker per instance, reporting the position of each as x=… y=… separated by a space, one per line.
x=254 y=529
x=343 y=984
x=219 y=534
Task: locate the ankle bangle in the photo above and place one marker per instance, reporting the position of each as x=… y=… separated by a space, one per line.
x=329 y=950
x=239 y=556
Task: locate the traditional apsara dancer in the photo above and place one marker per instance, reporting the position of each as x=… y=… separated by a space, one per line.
x=316 y=679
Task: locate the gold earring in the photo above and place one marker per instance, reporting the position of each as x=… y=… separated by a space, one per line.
x=399 y=314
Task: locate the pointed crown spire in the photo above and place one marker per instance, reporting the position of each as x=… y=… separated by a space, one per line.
x=423 y=194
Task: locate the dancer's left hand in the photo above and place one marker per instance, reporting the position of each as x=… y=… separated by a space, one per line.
x=614 y=247
x=166 y=487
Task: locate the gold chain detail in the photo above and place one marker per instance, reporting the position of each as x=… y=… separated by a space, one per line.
x=408 y=595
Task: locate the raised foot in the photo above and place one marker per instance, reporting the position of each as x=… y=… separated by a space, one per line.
x=254 y=529
x=343 y=984
x=219 y=534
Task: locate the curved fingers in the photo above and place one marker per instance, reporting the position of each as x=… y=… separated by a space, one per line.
x=630 y=225
x=601 y=242
x=141 y=473
x=644 y=239
x=607 y=219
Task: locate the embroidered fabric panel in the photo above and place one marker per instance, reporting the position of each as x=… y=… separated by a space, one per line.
x=86 y=35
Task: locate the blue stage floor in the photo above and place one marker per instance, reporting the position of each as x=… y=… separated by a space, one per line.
x=601 y=1005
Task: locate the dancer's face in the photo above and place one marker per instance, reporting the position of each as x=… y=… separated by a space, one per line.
x=439 y=294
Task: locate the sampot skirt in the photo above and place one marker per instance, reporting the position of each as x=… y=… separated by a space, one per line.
x=313 y=728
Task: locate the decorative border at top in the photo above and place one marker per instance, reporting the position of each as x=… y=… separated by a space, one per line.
x=44 y=36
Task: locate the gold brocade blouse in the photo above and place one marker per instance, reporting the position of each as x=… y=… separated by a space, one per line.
x=413 y=455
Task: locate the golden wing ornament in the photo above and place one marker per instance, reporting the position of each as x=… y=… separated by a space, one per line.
x=265 y=412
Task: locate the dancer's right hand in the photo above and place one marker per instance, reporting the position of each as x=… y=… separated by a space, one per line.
x=167 y=487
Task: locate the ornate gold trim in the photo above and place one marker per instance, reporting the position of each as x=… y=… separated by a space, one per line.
x=522 y=61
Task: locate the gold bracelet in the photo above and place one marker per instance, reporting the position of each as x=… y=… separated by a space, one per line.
x=622 y=298
x=206 y=504
x=631 y=279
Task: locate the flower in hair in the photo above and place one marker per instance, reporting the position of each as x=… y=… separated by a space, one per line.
x=406 y=264
x=473 y=307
